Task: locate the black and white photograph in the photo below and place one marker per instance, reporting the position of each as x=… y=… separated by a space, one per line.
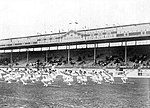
x=74 y=53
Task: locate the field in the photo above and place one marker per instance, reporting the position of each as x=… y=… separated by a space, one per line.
x=60 y=95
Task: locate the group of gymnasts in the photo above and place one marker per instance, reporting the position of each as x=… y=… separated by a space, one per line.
x=48 y=75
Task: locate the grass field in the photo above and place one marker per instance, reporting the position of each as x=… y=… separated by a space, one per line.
x=60 y=95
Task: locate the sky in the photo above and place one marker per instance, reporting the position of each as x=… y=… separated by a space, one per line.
x=20 y=18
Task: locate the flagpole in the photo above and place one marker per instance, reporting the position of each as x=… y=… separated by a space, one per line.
x=75 y=25
x=69 y=27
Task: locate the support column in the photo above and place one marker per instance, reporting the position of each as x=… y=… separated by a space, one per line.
x=46 y=56
x=11 y=57
x=125 y=57
x=27 y=56
x=95 y=54
x=69 y=56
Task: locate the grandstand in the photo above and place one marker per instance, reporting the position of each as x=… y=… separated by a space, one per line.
x=125 y=45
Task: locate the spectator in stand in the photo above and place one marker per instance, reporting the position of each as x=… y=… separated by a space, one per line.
x=139 y=71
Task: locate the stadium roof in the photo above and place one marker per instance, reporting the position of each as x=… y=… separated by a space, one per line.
x=79 y=31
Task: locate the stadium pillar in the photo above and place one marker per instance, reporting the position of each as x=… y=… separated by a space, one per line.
x=46 y=56
x=94 y=55
x=68 y=56
x=11 y=57
x=125 y=58
x=27 y=56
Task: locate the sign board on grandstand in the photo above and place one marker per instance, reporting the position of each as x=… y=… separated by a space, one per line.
x=37 y=49
x=103 y=44
x=2 y=51
x=53 y=48
x=61 y=47
x=7 y=51
x=81 y=46
x=90 y=45
x=31 y=49
x=130 y=43
x=45 y=48
x=23 y=50
x=73 y=46
x=115 y=44
x=143 y=42
x=15 y=50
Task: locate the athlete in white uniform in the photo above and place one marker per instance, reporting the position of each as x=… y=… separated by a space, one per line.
x=97 y=77
x=82 y=77
x=1 y=74
x=25 y=76
x=124 y=76
x=67 y=77
x=107 y=76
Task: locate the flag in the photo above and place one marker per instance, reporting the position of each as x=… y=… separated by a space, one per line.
x=76 y=22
